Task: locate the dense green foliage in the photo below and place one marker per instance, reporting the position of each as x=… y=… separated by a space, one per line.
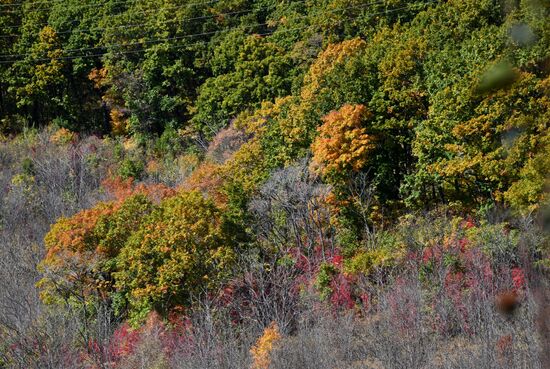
x=445 y=82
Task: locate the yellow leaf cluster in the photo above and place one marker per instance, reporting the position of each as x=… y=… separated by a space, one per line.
x=504 y=146
x=261 y=352
x=62 y=136
x=296 y=126
x=119 y=121
x=334 y=55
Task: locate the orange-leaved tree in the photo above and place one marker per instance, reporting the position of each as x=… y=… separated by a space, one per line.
x=80 y=250
x=343 y=144
x=137 y=254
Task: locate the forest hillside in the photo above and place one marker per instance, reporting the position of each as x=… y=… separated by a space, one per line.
x=274 y=184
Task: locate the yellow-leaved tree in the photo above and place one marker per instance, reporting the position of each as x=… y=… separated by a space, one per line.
x=261 y=352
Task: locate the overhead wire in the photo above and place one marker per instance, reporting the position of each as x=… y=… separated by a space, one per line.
x=53 y=3
x=142 y=11
x=191 y=35
x=176 y=46
x=168 y=21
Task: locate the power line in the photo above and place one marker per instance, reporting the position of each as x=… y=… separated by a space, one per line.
x=191 y=35
x=186 y=45
x=147 y=11
x=179 y=20
x=53 y=3
x=176 y=46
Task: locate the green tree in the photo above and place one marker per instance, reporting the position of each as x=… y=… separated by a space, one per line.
x=178 y=251
x=260 y=72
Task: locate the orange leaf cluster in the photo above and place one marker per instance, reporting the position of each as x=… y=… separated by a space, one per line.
x=121 y=189
x=74 y=235
x=74 y=244
x=343 y=142
x=207 y=179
